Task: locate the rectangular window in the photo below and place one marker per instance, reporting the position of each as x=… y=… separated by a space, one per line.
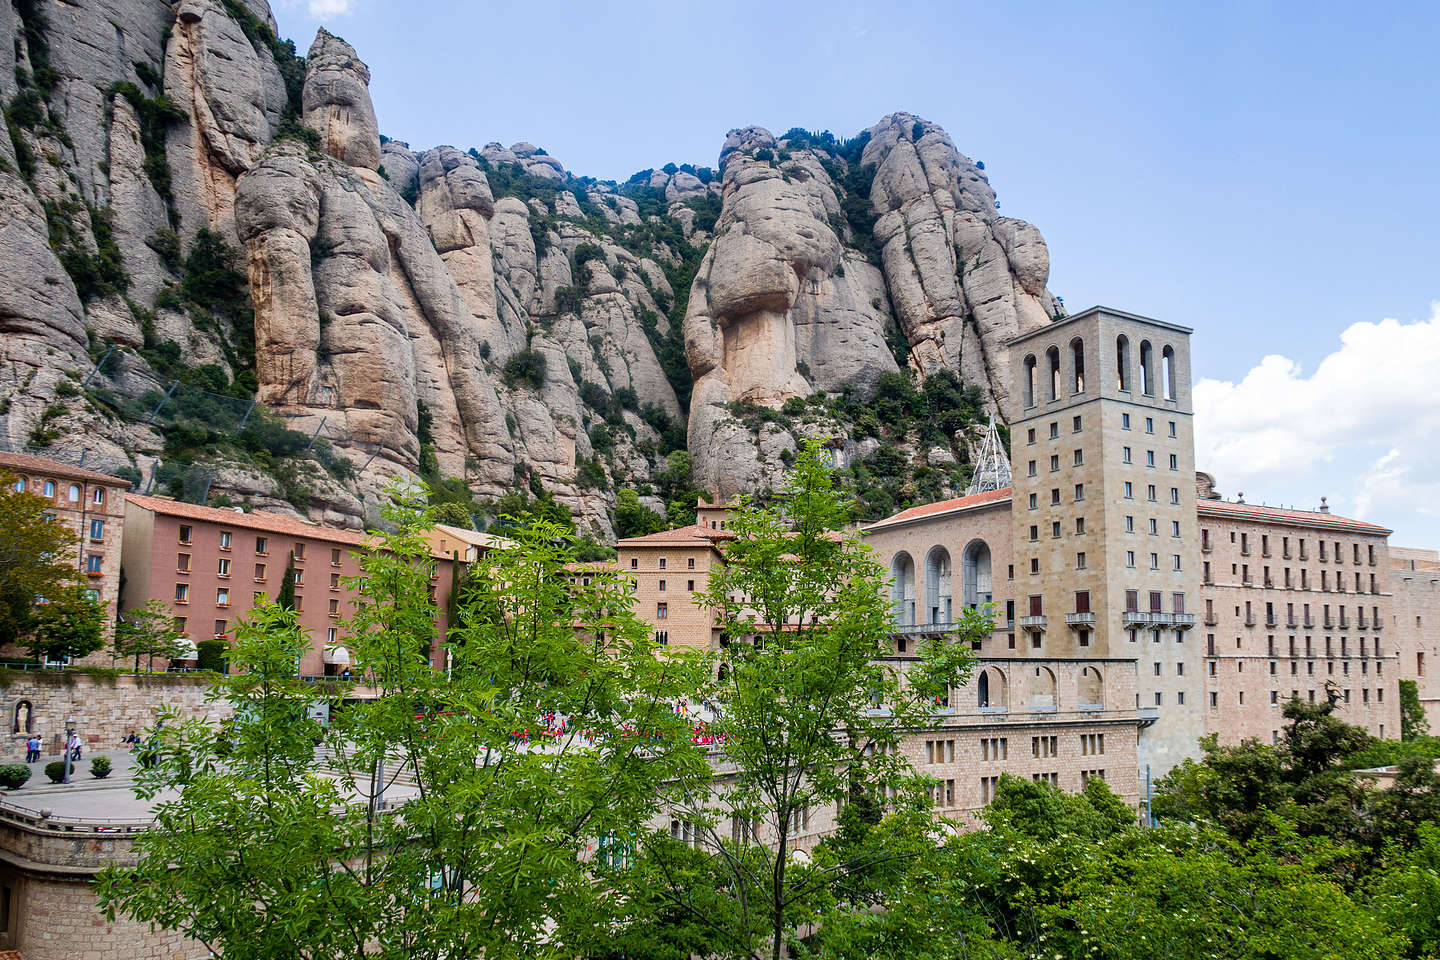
x=1055 y=496
x=1124 y=421
x=1125 y=455
x=180 y=623
x=1055 y=528
x=97 y=529
x=222 y=567
x=182 y=593
x=662 y=586
x=220 y=627
x=222 y=597
x=334 y=607
x=299 y=578
x=1172 y=428
x=335 y=557
x=262 y=546
x=1174 y=462
x=1082 y=601
x=1075 y=424
x=1079 y=491
x=226 y=537
x=634 y=563
x=1080 y=561
x=662 y=563
x=1079 y=457
x=1034 y=532
x=1130 y=559
x=185 y=533
x=1150 y=493
x=92 y=564
x=1054 y=462
x=1129 y=490
x=1032 y=467
x=1149 y=458
x=1129 y=524
x=1079 y=525
x=1033 y=501
x=1054 y=430
x=662 y=611
x=1030 y=436
x=1149 y=424
x=334 y=581
x=690 y=563
x=299 y=550
x=259 y=573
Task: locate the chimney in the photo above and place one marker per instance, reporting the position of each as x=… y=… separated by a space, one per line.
x=1324 y=507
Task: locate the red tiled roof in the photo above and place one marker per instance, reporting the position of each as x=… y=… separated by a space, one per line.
x=257 y=520
x=944 y=506
x=31 y=464
x=693 y=535
x=1307 y=518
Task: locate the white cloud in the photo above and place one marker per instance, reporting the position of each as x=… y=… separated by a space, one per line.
x=1363 y=428
x=320 y=9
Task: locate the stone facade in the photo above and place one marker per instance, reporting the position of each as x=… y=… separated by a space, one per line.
x=47 y=869
x=1415 y=619
x=1295 y=602
x=1104 y=504
x=669 y=569
x=105 y=709
x=91 y=505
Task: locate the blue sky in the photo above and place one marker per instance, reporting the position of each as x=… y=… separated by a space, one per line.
x=1262 y=172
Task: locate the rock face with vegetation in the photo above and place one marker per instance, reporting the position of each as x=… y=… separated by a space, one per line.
x=226 y=284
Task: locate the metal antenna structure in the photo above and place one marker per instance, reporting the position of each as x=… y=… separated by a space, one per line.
x=992 y=467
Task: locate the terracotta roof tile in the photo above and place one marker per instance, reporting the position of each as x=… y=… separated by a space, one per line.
x=944 y=506
x=1308 y=518
x=256 y=520
x=32 y=464
x=693 y=535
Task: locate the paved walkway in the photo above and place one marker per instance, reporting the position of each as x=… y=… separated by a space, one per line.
x=85 y=797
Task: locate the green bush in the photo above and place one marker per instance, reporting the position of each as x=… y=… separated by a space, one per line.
x=55 y=770
x=525 y=368
x=100 y=767
x=211 y=655
x=14 y=775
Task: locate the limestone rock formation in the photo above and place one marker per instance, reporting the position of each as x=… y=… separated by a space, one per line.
x=475 y=314
x=962 y=279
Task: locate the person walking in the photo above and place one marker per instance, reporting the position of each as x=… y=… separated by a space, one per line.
x=32 y=748
x=74 y=746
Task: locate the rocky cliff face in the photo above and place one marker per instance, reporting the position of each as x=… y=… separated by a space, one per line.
x=291 y=310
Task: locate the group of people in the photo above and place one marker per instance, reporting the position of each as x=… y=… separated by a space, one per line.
x=33 y=745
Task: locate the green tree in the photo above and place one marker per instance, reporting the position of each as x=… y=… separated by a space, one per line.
x=37 y=560
x=286 y=598
x=633 y=518
x=553 y=734
x=68 y=625
x=798 y=680
x=1406 y=894
x=149 y=632
x=1412 y=714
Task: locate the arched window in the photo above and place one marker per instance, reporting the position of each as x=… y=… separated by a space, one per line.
x=1147 y=369
x=937 y=586
x=990 y=689
x=1077 y=361
x=20 y=485
x=902 y=589
x=1167 y=372
x=1090 y=694
x=1052 y=361
x=976 y=581
x=1042 y=690
x=98 y=497
x=1030 y=380
x=74 y=493
x=49 y=488
x=1122 y=362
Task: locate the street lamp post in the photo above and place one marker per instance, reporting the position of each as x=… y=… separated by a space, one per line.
x=69 y=757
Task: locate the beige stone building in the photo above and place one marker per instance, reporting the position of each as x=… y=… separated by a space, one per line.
x=92 y=506
x=1295 y=603
x=1415 y=620
x=669 y=569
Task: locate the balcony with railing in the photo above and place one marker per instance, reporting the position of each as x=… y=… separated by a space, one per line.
x=1146 y=618
x=1080 y=620
x=1270 y=620
x=1329 y=623
x=936 y=629
x=1376 y=625
x=1291 y=622
x=1034 y=624
x=1344 y=623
